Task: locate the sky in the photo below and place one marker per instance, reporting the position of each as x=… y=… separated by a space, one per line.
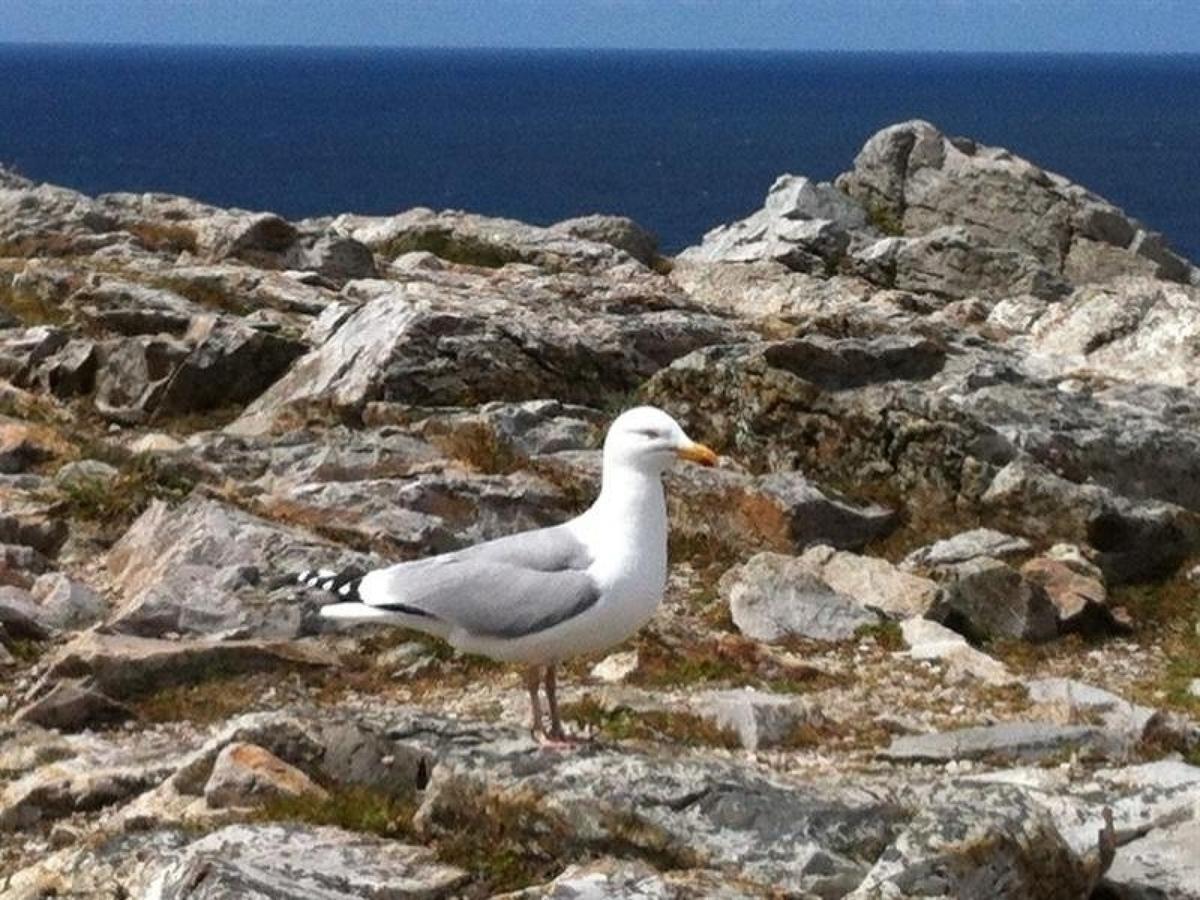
x=1110 y=26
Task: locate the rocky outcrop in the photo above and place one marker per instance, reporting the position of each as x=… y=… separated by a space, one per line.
x=955 y=398
x=917 y=179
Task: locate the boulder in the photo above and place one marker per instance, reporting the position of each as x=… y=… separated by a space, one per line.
x=873 y=582
x=1133 y=329
x=950 y=263
x=759 y=719
x=987 y=599
x=967 y=546
x=1007 y=741
x=1161 y=864
x=481 y=241
x=337 y=257
x=803 y=225
x=774 y=597
x=1077 y=592
x=916 y=177
x=294 y=862
x=689 y=811
x=71 y=705
x=123 y=666
x=927 y=640
x=617 y=231
x=1127 y=722
x=66 y=603
x=103 y=775
x=204 y=568
x=409 y=343
x=256 y=238
x=247 y=775
x=1133 y=540
x=21 y=615
x=229 y=364
x=122 y=307
x=132 y=375
x=628 y=879
x=970 y=843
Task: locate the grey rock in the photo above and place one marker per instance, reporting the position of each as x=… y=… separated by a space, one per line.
x=1079 y=597
x=927 y=640
x=482 y=241
x=229 y=364
x=408 y=344
x=19 y=565
x=257 y=238
x=995 y=844
x=759 y=719
x=618 y=231
x=336 y=257
x=783 y=511
x=128 y=308
x=873 y=582
x=329 y=750
x=103 y=866
x=71 y=705
x=627 y=879
x=923 y=180
x=987 y=599
x=967 y=546
x=46 y=220
x=108 y=774
x=1161 y=865
x=1006 y=741
x=122 y=666
x=422 y=514
x=773 y=597
x=21 y=616
x=132 y=375
x=246 y=775
x=950 y=263
x=1130 y=722
x=794 y=836
x=296 y=862
x=22 y=350
x=70 y=371
x=803 y=225
x=1134 y=329
x=1134 y=540
x=66 y=603
x=203 y=568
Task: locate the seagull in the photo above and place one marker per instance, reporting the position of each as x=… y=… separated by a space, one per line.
x=538 y=597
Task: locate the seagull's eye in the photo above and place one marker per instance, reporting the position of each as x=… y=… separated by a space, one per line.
x=649 y=433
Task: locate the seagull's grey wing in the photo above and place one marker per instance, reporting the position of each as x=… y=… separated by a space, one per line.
x=553 y=549
x=507 y=588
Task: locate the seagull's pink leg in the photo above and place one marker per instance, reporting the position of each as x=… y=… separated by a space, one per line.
x=533 y=677
x=557 y=736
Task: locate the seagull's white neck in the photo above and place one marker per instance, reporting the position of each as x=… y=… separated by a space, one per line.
x=630 y=511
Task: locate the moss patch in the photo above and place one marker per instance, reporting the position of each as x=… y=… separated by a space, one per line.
x=353 y=808
x=622 y=723
x=728 y=661
x=455 y=248
x=113 y=505
x=164 y=237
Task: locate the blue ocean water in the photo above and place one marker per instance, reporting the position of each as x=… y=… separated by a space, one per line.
x=679 y=141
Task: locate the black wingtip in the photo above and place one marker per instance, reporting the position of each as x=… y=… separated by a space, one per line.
x=343 y=585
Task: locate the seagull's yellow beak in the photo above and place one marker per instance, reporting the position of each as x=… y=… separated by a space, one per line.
x=697 y=453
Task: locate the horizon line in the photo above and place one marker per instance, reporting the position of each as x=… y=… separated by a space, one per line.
x=494 y=48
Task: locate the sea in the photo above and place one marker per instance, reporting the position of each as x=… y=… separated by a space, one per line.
x=680 y=141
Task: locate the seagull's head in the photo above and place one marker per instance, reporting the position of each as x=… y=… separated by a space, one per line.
x=647 y=439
